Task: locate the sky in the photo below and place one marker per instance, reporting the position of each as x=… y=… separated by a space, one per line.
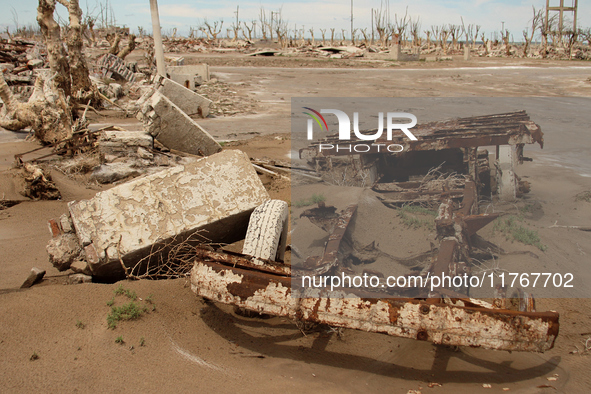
x=183 y=15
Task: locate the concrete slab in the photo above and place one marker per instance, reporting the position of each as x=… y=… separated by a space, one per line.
x=187 y=100
x=116 y=142
x=215 y=195
x=186 y=75
x=172 y=127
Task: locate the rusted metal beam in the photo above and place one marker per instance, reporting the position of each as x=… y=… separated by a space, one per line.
x=440 y=323
x=233 y=259
x=330 y=256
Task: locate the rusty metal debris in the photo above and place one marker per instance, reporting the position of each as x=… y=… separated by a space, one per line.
x=449 y=321
x=452 y=146
x=442 y=317
x=440 y=314
x=338 y=227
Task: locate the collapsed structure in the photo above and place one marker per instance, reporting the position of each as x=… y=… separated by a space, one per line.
x=444 y=315
x=450 y=146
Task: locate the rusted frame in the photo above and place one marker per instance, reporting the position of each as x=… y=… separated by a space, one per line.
x=452 y=322
x=320 y=266
x=447 y=317
x=455 y=229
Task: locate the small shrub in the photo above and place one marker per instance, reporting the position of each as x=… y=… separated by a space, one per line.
x=119 y=340
x=34 y=356
x=407 y=215
x=514 y=231
x=315 y=199
x=80 y=325
x=129 y=311
x=120 y=290
x=584 y=196
x=142 y=341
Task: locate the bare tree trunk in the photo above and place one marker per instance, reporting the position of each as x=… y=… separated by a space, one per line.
x=82 y=88
x=128 y=49
x=56 y=54
x=115 y=44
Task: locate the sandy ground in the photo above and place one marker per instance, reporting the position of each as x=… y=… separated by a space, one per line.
x=193 y=345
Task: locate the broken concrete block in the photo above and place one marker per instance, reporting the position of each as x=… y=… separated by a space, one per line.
x=34 y=277
x=79 y=278
x=113 y=172
x=35 y=63
x=215 y=195
x=81 y=267
x=145 y=154
x=116 y=90
x=117 y=142
x=188 y=101
x=182 y=74
x=63 y=250
x=66 y=224
x=174 y=129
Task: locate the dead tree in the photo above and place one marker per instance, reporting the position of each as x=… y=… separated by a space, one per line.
x=415 y=31
x=485 y=43
x=89 y=26
x=428 y=34
x=505 y=37
x=585 y=35
x=214 y=29
x=365 y=37
x=323 y=31
x=56 y=53
x=263 y=21
x=281 y=30
x=381 y=24
x=442 y=34
x=115 y=40
x=535 y=24
x=82 y=88
x=249 y=29
x=47 y=112
x=476 y=30
x=400 y=26
x=454 y=30
x=236 y=30
x=128 y=49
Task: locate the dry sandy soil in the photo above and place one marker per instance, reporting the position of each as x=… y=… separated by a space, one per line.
x=193 y=345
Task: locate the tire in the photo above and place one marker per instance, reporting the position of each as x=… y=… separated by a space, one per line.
x=267 y=231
